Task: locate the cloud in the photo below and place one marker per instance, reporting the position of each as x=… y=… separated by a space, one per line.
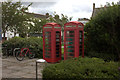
x=31 y=0
x=40 y=10
x=39 y=4
x=41 y=7
x=75 y=8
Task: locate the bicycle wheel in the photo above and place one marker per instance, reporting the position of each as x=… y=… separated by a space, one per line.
x=19 y=56
x=15 y=51
x=31 y=55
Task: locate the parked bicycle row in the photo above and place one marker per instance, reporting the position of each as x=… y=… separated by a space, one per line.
x=19 y=53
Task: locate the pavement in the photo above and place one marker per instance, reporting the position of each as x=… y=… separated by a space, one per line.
x=12 y=68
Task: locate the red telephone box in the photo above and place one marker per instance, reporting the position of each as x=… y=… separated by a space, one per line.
x=73 y=39
x=52 y=42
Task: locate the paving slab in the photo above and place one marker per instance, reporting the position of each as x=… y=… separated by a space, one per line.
x=12 y=68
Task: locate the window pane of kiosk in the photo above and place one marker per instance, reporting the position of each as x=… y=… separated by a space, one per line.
x=80 y=42
x=70 y=44
x=57 y=43
x=47 y=44
x=80 y=26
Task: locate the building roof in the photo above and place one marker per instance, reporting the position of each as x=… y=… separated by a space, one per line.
x=37 y=15
x=83 y=19
x=97 y=10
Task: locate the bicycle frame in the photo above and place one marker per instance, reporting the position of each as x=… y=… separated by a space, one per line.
x=22 y=50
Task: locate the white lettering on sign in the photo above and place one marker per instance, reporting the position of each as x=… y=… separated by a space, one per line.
x=70 y=26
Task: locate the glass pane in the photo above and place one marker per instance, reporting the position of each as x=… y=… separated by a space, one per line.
x=47 y=44
x=47 y=56
x=58 y=43
x=80 y=26
x=70 y=43
x=69 y=39
x=71 y=54
x=69 y=46
x=81 y=46
x=69 y=50
x=80 y=42
x=57 y=55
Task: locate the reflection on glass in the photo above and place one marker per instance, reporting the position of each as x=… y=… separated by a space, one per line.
x=70 y=43
x=57 y=39
x=69 y=50
x=69 y=39
x=69 y=46
x=57 y=36
x=47 y=44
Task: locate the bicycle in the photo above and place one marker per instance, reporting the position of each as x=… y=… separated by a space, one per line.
x=24 y=51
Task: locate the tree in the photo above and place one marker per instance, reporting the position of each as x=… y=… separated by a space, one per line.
x=103 y=31
x=13 y=16
x=35 y=25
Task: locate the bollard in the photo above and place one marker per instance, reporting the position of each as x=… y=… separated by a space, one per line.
x=39 y=61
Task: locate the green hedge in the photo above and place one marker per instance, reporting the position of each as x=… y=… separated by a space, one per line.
x=34 y=43
x=104 y=56
x=78 y=68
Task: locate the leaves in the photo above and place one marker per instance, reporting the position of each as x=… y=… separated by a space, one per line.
x=16 y=19
x=81 y=68
x=13 y=16
x=103 y=31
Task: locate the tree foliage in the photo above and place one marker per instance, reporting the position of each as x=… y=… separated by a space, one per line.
x=103 y=31
x=16 y=19
x=13 y=16
x=60 y=19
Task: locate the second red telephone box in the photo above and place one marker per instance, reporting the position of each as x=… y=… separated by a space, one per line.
x=73 y=39
x=52 y=42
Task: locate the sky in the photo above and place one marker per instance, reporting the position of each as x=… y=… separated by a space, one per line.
x=71 y=8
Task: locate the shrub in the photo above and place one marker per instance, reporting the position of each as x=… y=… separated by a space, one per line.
x=103 y=31
x=34 y=43
x=104 y=56
x=77 y=68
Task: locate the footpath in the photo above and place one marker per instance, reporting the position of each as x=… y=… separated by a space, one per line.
x=12 y=68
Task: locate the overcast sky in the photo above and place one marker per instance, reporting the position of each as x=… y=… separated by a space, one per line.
x=71 y=8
